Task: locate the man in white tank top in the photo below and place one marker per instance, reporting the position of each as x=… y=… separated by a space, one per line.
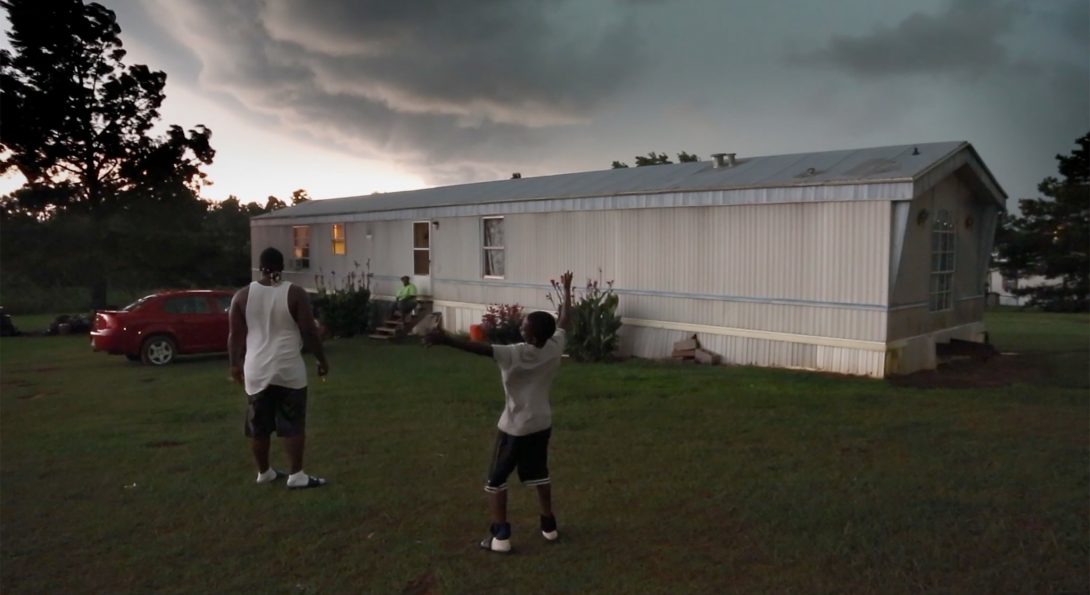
x=271 y=321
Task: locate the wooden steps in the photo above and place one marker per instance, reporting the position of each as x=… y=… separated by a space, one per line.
x=390 y=329
x=393 y=328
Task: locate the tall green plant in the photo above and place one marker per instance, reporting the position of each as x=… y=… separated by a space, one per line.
x=595 y=324
x=343 y=306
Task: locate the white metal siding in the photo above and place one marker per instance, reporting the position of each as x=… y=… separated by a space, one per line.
x=826 y=263
x=810 y=269
x=824 y=266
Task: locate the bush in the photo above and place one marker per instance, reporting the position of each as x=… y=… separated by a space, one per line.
x=501 y=324
x=595 y=324
x=344 y=308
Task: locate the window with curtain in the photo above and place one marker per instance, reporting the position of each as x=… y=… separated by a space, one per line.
x=338 y=239
x=493 y=247
x=301 y=246
x=942 y=262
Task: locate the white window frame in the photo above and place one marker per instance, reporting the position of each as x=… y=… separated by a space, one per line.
x=940 y=296
x=341 y=241
x=485 y=250
x=300 y=255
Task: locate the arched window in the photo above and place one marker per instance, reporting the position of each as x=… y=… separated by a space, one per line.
x=942 y=262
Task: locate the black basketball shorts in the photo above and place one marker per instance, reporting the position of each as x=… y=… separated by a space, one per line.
x=529 y=454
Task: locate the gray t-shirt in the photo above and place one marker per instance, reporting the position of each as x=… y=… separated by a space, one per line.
x=527 y=374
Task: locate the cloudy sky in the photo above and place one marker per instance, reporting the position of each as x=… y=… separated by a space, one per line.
x=349 y=97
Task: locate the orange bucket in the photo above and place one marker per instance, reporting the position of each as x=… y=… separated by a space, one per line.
x=476 y=333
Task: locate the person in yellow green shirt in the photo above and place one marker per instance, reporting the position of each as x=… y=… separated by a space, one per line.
x=405 y=300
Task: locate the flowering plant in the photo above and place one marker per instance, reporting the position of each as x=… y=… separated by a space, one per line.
x=501 y=323
x=343 y=306
x=595 y=324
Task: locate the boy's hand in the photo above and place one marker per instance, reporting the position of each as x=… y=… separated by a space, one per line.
x=565 y=280
x=236 y=374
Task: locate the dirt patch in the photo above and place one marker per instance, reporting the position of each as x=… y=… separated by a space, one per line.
x=974 y=372
x=33 y=396
x=424 y=584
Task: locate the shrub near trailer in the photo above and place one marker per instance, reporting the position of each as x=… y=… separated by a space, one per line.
x=595 y=323
x=501 y=323
x=343 y=307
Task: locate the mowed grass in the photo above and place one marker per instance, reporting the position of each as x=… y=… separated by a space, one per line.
x=668 y=478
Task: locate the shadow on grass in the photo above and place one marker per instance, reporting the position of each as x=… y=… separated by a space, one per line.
x=1069 y=369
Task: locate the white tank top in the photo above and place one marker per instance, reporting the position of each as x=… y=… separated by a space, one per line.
x=273 y=342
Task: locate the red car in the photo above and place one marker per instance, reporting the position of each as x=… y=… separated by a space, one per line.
x=156 y=328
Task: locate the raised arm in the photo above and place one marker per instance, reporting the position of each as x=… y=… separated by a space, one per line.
x=236 y=334
x=440 y=337
x=299 y=305
x=564 y=321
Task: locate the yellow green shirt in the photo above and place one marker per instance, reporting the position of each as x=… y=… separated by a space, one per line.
x=406 y=291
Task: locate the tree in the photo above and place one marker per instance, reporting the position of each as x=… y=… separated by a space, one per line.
x=226 y=231
x=77 y=125
x=654 y=158
x=273 y=204
x=1052 y=236
x=299 y=197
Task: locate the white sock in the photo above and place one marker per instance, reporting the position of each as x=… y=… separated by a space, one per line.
x=268 y=475
x=299 y=478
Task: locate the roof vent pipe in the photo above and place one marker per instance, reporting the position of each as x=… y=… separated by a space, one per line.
x=723 y=160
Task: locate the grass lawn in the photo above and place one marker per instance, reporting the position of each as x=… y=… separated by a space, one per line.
x=668 y=478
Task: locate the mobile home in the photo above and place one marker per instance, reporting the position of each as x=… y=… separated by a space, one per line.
x=855 y=261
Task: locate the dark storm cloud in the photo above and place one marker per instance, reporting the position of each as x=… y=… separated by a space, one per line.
x=965 y=39
x=435 y=79
x=1074 y=21
x=139 y=26
x=495 y=51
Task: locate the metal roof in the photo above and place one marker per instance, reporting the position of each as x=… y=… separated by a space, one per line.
x=870 y=166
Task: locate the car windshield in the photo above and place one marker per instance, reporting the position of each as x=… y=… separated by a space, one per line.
x=137 y=304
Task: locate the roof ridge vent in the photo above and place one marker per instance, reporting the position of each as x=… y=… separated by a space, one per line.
x=723 y=160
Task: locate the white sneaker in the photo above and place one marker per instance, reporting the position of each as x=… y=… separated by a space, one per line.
x=499 y=540
x=548 y=528
x=500 y=546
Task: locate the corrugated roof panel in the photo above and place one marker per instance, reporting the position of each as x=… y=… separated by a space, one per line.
x=855 y=166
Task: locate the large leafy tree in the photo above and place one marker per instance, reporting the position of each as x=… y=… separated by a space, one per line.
x=1051 y=238
x=78 y=126
x=226 y=230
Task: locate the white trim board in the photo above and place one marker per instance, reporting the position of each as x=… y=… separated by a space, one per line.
x=876 y=346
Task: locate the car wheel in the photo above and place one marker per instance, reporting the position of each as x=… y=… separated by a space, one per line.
x=158 y=350
x=133 y=357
